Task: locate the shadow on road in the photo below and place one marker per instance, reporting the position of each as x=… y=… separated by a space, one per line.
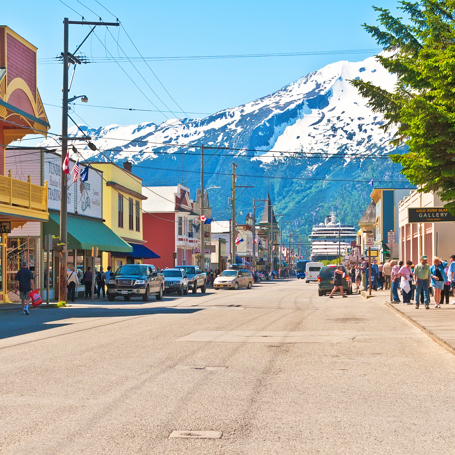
x=14 y=323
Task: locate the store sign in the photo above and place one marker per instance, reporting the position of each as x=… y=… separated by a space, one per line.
x=429 y=215
x=84 y=198
x=5 y=227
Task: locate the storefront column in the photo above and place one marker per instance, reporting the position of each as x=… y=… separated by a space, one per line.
x=4 y=267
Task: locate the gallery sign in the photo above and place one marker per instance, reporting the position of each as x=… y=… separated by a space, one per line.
x=429 y=215
x=84 y=198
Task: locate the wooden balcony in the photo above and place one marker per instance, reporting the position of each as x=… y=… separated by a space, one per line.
x=23 y=199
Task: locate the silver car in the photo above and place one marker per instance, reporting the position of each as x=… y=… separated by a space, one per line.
x=175 y=280
x=233 y=279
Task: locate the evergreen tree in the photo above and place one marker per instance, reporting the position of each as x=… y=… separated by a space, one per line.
x=420 y=51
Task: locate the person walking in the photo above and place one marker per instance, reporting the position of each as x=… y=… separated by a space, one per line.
x=358 y=277
x=395 y=279
x=406 y=282
x=337 y=281
x=445 y=293
x=25 y=283
x=100 y=283
x=438 y=278
x=88 y=279
x=422 y=279
x=386 y=272
x=71 y=282
x=451 y=275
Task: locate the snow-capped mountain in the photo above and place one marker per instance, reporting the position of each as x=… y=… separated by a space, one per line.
x=320 y=114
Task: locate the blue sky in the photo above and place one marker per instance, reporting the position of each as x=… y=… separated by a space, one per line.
x=184 y=28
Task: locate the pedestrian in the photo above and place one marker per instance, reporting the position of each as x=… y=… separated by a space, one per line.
x=108 y=275
x=358 y=277
x=71 y=282
x=438 y=278
x=338 y=281
x=88 y=279
x=406 y=282
x=395 y=279
x=451 y=275
x=25 y=283
x=380 y=276
x=422 y=279
x=364 y=267
x=445 y=293
x=100 y=283
x=387 y=271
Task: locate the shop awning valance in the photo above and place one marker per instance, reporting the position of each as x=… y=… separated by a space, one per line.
x=84 y=233
x=142 y=252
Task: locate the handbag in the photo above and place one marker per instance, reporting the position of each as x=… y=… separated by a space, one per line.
x=35 y=298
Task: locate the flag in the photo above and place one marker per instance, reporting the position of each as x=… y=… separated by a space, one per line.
x=75 y=171
x=84 y=173
x=66 y=164
x=371 y=183
x=202 y=218
x=208 y=220
x=238 y=240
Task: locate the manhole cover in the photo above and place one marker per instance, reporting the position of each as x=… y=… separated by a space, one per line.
x=196 y=434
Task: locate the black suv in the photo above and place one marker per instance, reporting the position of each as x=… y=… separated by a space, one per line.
x=136 y=280
x=325 y=280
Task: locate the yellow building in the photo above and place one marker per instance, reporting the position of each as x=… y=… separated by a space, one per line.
x=122 y=212
x=21 y=113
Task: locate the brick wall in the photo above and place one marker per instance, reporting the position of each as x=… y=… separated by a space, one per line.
x=21 y=63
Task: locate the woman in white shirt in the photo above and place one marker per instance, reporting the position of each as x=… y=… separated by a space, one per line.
x=406 y=282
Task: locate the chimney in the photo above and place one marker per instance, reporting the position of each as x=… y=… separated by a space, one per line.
x=128 y=166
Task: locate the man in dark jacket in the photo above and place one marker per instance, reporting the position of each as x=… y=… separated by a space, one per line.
x=88 y=279
x=25 y=283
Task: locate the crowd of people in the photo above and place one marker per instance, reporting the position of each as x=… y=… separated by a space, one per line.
x=416 y=282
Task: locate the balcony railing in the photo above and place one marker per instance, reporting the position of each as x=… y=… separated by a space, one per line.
x=27 y=195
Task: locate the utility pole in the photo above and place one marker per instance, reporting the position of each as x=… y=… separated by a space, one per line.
x=233 y=260
x=254 y=229
x=202 y=221
x=64 y=183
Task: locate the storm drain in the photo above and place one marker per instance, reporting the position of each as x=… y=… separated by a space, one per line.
x=193 y=367
x=196 y=434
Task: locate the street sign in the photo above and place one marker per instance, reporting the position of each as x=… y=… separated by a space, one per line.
x=369 y=241
x=5 y=227
x=429 y=215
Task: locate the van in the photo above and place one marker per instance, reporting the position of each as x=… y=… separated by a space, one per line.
x=312 y=271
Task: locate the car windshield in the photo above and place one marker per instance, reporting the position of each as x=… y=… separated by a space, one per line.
x=188 y=270
x=131 y=270
x=229 y=273
x=172 y=273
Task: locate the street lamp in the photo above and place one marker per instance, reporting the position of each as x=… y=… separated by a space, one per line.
x=83 y=98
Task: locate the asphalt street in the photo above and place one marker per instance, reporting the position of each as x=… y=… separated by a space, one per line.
x=271 y=370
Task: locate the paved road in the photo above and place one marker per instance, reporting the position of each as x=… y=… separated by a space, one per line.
x=275 y=369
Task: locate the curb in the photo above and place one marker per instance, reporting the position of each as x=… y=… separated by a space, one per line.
x=434 y=337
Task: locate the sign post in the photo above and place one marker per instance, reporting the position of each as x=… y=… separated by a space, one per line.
x=369 y=270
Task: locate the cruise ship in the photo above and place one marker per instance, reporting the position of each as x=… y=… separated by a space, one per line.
x=330 y=239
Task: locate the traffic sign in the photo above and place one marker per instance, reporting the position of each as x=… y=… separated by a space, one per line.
x=369 y=241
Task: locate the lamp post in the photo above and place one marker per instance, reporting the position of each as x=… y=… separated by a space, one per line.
x=254 y=228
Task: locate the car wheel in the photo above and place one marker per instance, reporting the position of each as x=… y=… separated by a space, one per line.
x=145 y=297
x=321 y=293
x=180 y=291
x=236 y=285
x=111 y=297
x=204 y=288
x=195 y=289
x=127 y=298
x=186 y=291
x=159 y=296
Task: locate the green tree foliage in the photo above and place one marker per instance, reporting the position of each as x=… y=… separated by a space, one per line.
x=420 y=51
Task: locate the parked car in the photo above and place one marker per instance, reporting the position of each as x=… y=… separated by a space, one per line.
x=325 y=280
x=136 y=280
x=175 y=280
x=196 y=278
x=233 y=279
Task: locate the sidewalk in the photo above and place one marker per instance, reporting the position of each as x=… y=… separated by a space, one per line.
x=438 y=324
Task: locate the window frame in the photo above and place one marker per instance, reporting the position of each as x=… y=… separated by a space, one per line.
x=180 y=226
x=138 y=216
x=120 y=211
x=131 y=214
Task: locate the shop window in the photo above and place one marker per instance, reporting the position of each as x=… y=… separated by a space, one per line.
x=120 y=211
x=190 y=229
x=180 y=226
x=138 y=216
x=131 y=214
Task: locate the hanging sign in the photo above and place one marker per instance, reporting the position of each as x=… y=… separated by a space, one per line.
x=5 y=227
x=429 y=215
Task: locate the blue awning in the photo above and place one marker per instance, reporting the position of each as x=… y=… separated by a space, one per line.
x=238 y=260
x=142 y=252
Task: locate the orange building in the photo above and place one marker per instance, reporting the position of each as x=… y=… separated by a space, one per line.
x=21 y=113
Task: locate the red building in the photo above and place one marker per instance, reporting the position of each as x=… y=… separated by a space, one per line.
x=171 y=225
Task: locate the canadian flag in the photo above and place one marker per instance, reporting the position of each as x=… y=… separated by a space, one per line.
x=66 y=164
x=202 y=218
x=238 y=240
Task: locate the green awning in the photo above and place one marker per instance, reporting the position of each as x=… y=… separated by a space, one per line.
x=84 y=233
